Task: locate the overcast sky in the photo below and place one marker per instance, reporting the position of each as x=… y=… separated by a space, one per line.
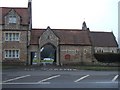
x=100 y=15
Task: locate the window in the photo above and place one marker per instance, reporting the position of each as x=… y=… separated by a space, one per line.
x=99 y=51
x=12 y=19
x=11 y=53
x=12 y=36
x=6 y=37
x=17 y=37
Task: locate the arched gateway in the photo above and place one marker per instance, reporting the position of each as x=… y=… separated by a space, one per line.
x=48 y=51
x=48 y=48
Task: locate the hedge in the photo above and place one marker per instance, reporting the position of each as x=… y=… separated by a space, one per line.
x=108 y=57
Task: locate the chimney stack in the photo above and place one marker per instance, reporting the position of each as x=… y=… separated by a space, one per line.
x=30 y=13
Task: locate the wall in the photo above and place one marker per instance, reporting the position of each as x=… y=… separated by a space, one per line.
x=33 y=48
x=0 y=43
x=75 y=54
x=20 y=45
x=0 y=36
x=119 y=23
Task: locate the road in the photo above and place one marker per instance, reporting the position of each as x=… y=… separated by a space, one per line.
x=59 y=78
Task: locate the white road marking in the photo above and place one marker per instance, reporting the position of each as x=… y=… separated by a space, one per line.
x=113 y=80
x=49 y=78
x=16 y=78
x=33 y=83
x=103 y=82
x=81 y=78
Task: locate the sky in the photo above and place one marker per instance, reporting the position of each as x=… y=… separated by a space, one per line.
x=99 y=15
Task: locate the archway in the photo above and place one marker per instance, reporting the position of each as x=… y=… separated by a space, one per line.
x=48 y=51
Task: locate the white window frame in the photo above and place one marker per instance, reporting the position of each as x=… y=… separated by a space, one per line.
x=10 y=54
x=12 y=36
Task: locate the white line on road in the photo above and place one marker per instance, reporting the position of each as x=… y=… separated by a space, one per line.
x=103 y=82
x=113 y=80
x=16 y=78
x=27 y=83
x=49 y=78
x=81 y=78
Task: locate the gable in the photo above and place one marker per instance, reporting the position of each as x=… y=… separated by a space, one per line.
x=48 y=36
x=12 y=17
x=22 y=12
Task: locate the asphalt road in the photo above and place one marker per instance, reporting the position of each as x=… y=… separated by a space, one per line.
x=58 y=78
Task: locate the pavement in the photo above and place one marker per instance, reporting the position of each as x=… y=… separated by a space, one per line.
x=58 y=77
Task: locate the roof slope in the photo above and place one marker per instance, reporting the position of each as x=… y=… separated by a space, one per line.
x=66 y=36
x=22 y=12
x=35 y=34
x=103 y=39
x=73 y=36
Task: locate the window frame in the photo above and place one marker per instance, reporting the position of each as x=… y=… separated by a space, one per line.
x=9 y=36
x=9 y=53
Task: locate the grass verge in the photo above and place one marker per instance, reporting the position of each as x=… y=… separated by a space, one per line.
x=98 y=68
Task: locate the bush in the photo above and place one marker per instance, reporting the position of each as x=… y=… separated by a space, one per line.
x=108 y=57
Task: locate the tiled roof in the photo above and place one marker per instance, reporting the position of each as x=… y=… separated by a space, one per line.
x=22 y=12
x=35 y=34
x=66 y=36
x=103 y=39
x=78 y=37
x=73 y=36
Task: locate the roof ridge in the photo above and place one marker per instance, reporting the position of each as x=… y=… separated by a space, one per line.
x=100 y=32
x=15 y=7
x=70 y=29
x=59 y=29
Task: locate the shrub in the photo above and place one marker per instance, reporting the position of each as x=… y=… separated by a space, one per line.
x=108 y=57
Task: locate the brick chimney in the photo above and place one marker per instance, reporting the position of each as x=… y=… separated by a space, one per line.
x=30 y=13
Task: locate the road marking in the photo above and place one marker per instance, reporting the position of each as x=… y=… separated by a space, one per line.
x=16 y=78
x=81 y=78
x=113 y=80
x=49 y=78
x=103 y=82
x=33 y=83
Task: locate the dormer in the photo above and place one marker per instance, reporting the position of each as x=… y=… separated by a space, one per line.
x=12 y=20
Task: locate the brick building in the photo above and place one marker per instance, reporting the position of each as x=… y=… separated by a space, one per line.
x=20 y=43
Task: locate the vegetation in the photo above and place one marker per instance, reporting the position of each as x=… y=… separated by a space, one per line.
x=108 y=57
x=97 y=68
x=46 y=60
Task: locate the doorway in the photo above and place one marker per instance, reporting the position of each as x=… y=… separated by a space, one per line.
x=34 y=59
x=48 y=51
